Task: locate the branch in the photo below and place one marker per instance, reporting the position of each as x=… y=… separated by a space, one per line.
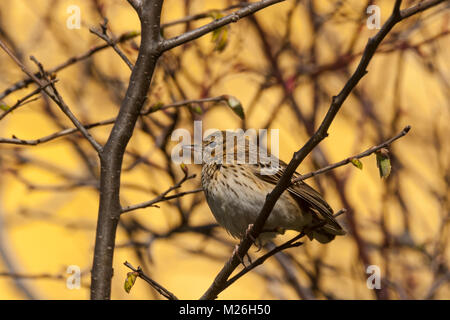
x=152 y=203
x=366 y=153
x=65 y=132
x=203 y=15
x=24 y=100
x=71 y=61
x=216 y=24
x=55 y=96
x=184 y=103
x=53 y=136
x=159 y=288
x=293 y=243
x=130 y=35
x=123 y=38
x=422 y=6
x=220 y=281
x=111 y=42
x=445 y=279
x=32 y=276
x=111 y=158
x=41 y=276
x=136 y=4
x=163 y=196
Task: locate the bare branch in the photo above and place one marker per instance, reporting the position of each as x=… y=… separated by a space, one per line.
x=220 y=281
x=69 y=62
x=163 y=196
x=24 y=100
x=62 y=133
x=203 y=15
x=445 y=279
x=159 y=288
x=184 y=103
x=292 y=243
x=366 y=153
x=158 y=199
x=216 y=24
x=32 y=276
x=136 y=4
x=421 y=6
x=55 y=96
x=111 y=42
x=113 y=152
x=286 y=66
x=123 y=38
x=65 y=132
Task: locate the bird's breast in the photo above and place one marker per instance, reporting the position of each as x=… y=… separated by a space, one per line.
x=235 y=197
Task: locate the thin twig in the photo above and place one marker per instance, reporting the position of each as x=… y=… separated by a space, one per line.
x=69 y=62
x=126 y=36
x=285 y=181
x=159 y=288
x=183 y=103
x=203 y=15
x=158 y=199
x=22 y=101
x=55 y=96
x=163 y=196
x=65 y=132
x=366 y=153
x=216 y=24
x=32 y=276
x=292 y=243
x=111 y=42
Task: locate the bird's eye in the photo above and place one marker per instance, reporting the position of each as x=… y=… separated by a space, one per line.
x=212 y=144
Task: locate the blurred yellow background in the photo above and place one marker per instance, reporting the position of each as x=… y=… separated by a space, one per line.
x=45 y=231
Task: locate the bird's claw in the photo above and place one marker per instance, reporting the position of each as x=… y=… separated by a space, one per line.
x=249 y=234
x=236 y=253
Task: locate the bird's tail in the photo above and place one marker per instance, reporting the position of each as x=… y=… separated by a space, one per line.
x=325 y=233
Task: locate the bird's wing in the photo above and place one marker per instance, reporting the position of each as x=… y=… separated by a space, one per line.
x=306 y=197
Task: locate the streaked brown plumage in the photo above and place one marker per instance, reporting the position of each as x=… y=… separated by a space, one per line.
x=236 y=192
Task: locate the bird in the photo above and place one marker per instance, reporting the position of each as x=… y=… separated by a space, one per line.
x=236 y=191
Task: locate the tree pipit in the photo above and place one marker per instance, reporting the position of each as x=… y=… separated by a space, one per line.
x=236 y=190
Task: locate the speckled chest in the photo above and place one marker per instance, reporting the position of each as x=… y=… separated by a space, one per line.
x=235 y=196
x=227 y=178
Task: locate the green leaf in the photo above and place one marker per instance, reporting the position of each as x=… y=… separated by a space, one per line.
x=197 y=109
x=383 y=162
x=219 y=36
x=357 y=163
x=156 y=107
x=131 y=34
x=184 y=168
x=4 y=106
x=235 y=105
x=130 y=280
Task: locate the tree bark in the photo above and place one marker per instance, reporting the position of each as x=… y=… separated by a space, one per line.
x=111 y=157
